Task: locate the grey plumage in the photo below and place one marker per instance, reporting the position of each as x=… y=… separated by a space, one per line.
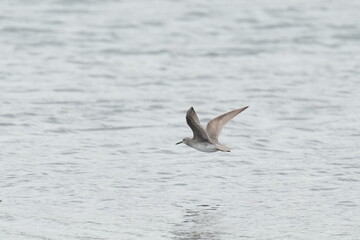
x=206 y=140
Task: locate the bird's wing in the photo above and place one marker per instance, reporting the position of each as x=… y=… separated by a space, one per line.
x=215 y=126
x=194 y=123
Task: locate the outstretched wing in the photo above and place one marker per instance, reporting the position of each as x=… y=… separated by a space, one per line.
x=194 y=123
x=215 y=126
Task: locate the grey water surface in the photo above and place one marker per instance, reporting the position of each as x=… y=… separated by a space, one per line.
x=93 y=97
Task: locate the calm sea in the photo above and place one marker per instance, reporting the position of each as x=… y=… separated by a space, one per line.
x=93 y=97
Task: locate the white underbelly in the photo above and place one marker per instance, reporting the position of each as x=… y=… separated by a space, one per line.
x=205 y=147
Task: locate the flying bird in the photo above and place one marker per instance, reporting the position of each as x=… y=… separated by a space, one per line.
x=206 y=140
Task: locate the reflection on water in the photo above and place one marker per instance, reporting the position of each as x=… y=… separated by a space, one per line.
x=199 y=223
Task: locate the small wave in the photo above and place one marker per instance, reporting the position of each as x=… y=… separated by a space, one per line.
x=6 y=124
x=67 y=90
x=26 y=30
x=323 y=189
x=114 y=128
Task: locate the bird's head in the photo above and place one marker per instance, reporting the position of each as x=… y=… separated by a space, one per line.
x=185 y=140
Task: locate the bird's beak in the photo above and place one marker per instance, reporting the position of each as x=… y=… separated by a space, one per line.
x=242 y=109
x=179 y=142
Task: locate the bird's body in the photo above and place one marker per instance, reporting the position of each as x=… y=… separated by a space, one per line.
x=202 y=146
x=206 y=140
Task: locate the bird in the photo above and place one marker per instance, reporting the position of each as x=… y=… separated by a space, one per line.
x=206 y=140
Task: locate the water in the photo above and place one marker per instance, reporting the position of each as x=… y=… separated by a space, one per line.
x=93 y=99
